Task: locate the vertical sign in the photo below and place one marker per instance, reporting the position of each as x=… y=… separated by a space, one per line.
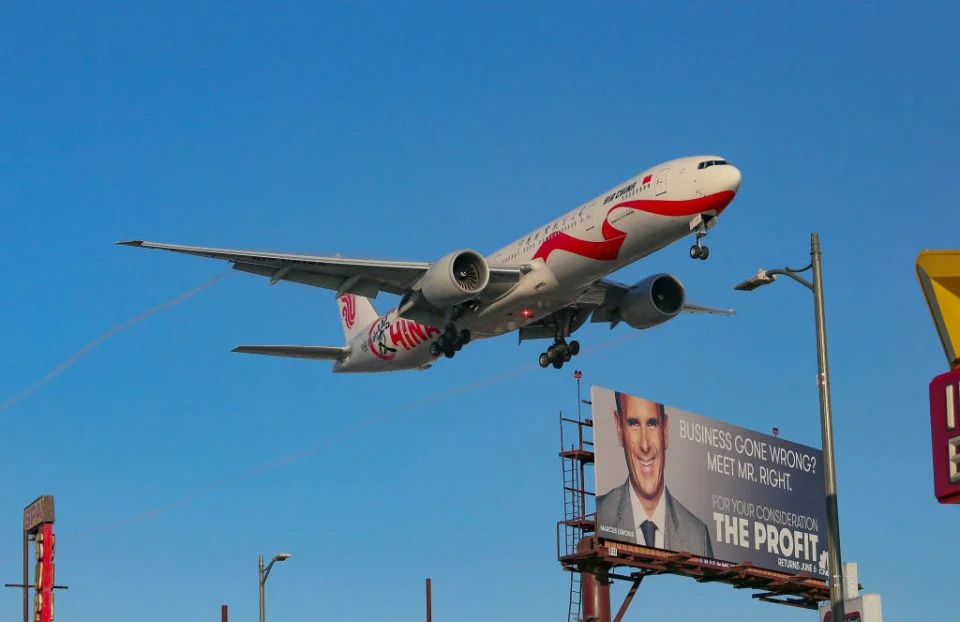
x=43 y=575
x=38 y=518
x=945 y=435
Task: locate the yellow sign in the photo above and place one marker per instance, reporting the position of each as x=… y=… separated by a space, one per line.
x=939 y=274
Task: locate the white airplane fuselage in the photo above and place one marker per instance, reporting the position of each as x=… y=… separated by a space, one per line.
x=633 y=219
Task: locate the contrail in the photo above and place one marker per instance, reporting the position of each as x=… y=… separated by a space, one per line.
x=332 y=440
x=64 y=366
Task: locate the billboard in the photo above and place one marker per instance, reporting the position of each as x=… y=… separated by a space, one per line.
x=677 y=481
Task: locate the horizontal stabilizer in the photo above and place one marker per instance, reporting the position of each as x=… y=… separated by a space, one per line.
x=691 y=308
x=323 y=353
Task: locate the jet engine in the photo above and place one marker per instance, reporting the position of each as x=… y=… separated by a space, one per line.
x=456 y=278
x=652 y=301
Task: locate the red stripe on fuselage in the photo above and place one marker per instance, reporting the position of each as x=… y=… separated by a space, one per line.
x=608 y=248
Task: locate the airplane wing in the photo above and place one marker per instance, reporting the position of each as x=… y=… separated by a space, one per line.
x=604 y=298
x=324 y=353
x=363 y=277
x=600 y=303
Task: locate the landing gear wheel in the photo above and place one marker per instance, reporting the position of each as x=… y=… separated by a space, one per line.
x=698 y=250
x=560 y=351
x=450 y=341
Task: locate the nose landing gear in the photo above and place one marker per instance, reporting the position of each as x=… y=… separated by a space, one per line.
x=699 y=250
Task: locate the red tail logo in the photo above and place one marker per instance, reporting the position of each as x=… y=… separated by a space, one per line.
x=349 y=310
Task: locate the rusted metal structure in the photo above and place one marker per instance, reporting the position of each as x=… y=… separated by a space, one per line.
x=595 y=562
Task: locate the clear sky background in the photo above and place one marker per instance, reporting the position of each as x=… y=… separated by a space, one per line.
x=403 y=131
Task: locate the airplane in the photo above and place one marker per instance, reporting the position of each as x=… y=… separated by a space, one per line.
x=544 y=285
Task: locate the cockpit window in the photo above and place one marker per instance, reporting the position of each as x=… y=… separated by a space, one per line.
x=709 y=163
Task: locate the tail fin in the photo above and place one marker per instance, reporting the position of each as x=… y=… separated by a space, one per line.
x=356 y=314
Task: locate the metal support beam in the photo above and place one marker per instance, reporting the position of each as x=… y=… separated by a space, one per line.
x=628 y=599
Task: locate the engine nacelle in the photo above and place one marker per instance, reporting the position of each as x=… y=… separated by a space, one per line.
x=456 y=278
x=652 y=301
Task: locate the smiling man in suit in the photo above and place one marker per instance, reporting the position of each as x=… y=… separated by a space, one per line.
x=642 y=506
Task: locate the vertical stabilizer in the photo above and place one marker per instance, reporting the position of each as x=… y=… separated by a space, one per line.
x=356 y=315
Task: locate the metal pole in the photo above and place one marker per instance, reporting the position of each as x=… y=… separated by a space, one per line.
x=223 y=613
x=260 y=577
x=429 y=607
x=826 y=430
x=26 y=576
x=595 y=595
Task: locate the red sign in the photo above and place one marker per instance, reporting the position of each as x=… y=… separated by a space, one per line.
x=945 y=434
x=43 y=598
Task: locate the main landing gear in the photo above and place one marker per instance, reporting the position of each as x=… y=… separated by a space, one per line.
x=450 y=341
x=699 y=250
x=559 y=353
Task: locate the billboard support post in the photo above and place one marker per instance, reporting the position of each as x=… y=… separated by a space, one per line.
x=596 y=596
x=765 y=277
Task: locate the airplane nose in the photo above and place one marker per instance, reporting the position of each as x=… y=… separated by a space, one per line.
x=732 y=177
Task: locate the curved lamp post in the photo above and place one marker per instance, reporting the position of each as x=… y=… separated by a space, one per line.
x=765 y=277
x=265 y=572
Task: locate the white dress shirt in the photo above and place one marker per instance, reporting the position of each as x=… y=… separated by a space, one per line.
x=659 y=519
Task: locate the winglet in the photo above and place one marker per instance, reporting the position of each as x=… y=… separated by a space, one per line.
x=131 y=243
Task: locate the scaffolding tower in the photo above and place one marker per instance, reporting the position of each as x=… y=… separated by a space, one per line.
x=579 y=516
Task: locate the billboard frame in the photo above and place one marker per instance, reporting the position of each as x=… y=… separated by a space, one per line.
x=581 y=549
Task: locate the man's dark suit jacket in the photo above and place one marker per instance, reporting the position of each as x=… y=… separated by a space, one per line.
x=683 y=531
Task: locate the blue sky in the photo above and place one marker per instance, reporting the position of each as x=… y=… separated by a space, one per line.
x=402 y=132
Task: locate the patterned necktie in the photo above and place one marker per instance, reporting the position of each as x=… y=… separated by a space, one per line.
x=648 y=529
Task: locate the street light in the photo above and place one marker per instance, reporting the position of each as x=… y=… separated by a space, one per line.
x=264 y=572
x=765 y=277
